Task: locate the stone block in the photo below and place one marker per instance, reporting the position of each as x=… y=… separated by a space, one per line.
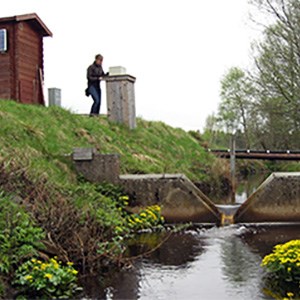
x=100 y=169
x=117 y=71
x=83 y=154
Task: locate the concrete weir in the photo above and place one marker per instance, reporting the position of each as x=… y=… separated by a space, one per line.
x=276 y=200
x=180 y=199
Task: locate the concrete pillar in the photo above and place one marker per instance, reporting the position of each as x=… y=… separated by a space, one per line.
x=120 y=97
x=96 y=167
x=54 y=97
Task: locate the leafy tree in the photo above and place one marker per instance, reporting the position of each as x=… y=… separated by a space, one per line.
x=277 y=74
x=264 y=102
x=236 y=102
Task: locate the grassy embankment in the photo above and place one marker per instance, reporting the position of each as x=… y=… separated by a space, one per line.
x=38 y=137
x=80 y=221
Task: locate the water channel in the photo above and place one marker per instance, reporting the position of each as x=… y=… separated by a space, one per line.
x=202 y=263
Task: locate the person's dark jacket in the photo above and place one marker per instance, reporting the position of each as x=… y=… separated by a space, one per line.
x=94 y=72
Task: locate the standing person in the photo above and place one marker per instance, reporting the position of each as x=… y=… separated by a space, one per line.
x=94 y=76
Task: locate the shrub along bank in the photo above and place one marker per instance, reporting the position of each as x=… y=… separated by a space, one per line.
x=282 y=280
x=48 y=211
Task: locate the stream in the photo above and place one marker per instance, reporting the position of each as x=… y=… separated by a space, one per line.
x=218 y=263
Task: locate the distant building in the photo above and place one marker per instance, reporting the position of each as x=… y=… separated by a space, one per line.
x=21 y=58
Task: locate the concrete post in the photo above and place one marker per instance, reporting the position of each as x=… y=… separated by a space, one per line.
x=232 y=167
x=54 y=95
x=120 y=97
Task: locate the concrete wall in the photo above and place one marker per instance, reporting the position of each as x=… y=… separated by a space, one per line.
x=181 y=200
x=276 y=200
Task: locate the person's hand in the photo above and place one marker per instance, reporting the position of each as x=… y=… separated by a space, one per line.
x=100 y=78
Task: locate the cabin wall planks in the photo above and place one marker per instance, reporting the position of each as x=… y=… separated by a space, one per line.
x=22 y=63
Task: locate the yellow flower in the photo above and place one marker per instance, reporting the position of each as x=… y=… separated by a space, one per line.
x=290 y=294
x=35 y=268
x=33 y=260
x=39 y=262
x=70 y=263
x=48 y=275
x=54 y=261
x=56 y=266
x=152 y=214
x=157 y=207
x=43 y=266
x=75 y=272
x=143 y=215
x=28 y=277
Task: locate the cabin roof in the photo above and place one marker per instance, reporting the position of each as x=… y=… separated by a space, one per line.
x=34 y=19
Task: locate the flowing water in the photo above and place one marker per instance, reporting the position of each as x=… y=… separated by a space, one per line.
x=218 y=263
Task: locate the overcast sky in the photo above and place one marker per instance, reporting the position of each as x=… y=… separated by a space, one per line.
x=178 y=50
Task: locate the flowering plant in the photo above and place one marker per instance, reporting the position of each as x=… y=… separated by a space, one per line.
x=283 y=270
x=147 y=218
x=47 y=280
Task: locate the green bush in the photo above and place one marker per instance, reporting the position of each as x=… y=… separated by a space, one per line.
x=283 y=271
x=46 y=280
x=1 y=288
x=19 y=238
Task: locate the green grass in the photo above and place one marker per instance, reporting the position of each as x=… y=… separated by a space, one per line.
x=37 y=138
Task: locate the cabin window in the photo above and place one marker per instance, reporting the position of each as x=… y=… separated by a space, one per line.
x=3 y=40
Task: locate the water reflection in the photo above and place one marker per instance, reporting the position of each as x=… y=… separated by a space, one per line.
x=179 y=250
x=241 y=269
x=244 y=189
x=217 y=263
x=247 y=186
x=262 y=239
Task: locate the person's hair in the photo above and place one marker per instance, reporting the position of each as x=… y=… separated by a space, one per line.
x=98 y=56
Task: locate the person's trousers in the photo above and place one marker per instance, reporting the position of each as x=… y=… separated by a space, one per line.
x=96 y=95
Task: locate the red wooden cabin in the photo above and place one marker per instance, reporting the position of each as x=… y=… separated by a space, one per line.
x=21 y=58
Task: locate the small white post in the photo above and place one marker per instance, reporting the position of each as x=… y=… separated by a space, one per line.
x=54 y=97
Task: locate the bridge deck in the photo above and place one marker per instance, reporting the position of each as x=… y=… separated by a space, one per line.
x=259 y=154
